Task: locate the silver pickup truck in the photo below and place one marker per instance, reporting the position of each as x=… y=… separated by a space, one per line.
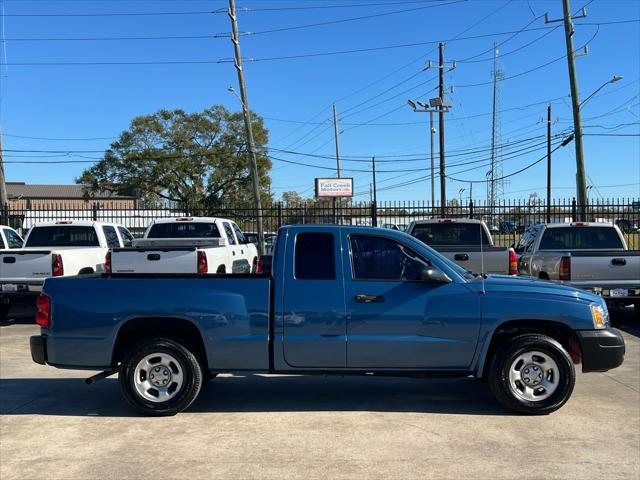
x=592 y=256
x=467 y=242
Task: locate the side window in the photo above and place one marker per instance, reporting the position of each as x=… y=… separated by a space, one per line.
x=2 y=244
x=379 y=258
x=13 y=239
x=315 y=257
x=127 y=238
x=229 y=231
x=111 y=235
x=239 y=234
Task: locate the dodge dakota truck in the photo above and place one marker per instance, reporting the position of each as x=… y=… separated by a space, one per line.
x=592 y=256
x=55 y=249
x=187 y=245
x=340 y=300
x=467 y=242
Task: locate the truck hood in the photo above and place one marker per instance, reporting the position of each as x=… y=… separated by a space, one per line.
x=505 y=283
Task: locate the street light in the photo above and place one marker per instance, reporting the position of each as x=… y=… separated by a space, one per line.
x=615 y=79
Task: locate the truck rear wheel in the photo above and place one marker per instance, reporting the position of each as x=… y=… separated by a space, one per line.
x=532 y=374
x=160 y=376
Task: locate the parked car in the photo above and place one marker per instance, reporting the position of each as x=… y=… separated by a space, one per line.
x=368 y=301
x=269 y=240
x=507 y=227
x=9 y=238
x=55 y=249
x=592 y=256
x=467 y=242
x=626 y=226
x=187 y=245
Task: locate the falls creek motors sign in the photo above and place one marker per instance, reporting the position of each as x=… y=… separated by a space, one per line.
x=334 y=187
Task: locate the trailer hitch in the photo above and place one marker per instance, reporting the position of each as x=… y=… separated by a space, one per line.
x=100 y=376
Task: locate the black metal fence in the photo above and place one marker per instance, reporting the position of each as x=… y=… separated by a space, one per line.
x=506 y=220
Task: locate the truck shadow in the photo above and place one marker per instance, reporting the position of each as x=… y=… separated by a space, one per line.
x=259 y=393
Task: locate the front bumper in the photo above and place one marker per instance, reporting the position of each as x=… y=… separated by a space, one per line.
x=602 y=350
x=38 y=345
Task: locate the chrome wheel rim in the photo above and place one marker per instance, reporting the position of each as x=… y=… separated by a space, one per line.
x=158 y=377
x=534 y=376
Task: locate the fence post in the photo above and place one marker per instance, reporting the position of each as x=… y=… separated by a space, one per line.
x=279 y=214
x=94 y=213
x=573 y=210
x=470 y=208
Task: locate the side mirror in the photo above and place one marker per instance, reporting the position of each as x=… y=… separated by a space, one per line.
x=433 y=275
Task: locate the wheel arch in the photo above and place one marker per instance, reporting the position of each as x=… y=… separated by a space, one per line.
x=559 y=331
x=181 y=329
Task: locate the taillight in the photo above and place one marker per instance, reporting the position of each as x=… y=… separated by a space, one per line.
x=107 y=262
x=513 y=262
x=260 y=266
x=203 y=267
x=43 y=315
x=565 y=268
x=57 y=269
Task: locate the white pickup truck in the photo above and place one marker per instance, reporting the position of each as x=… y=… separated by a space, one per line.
x=55 y=249
x=9 y=238
x=467 y=242
x=187 y=245
x=592 y=256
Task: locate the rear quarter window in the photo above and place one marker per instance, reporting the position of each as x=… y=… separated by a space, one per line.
x=580 y=238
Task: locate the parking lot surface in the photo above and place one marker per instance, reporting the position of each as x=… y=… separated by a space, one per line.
x=54 y=426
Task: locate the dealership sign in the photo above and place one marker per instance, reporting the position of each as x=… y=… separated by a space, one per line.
x=334 y=187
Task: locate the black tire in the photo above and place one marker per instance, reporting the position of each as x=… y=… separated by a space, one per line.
x=221 y=270
x=182 y=396
x=4 y=310
x=509 y=396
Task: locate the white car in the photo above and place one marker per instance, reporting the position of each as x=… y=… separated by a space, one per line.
x=55 y=249
x=188 y=245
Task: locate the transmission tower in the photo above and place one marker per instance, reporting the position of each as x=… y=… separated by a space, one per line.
x=495 y=185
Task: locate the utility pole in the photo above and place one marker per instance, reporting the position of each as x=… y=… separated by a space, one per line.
x=443 y=179
x=581 y=181
x=375 y=195
x=3 y=185
x=549 y=163
x=253 y=166
x=433 y=174
x=335 y=133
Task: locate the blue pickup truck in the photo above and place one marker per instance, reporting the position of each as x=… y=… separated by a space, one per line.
x=339 y=300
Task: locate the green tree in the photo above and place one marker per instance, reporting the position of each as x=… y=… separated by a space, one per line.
x=188 y=160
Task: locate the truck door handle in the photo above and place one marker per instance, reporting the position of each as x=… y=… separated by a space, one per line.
x=461 y=257
x=364 y=298
x=9 y=260
x=619 y=261
x=154 y=257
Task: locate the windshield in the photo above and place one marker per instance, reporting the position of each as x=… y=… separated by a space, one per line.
x=184 y=230
x=450 y=234
x=63 y=236
x=580 y=238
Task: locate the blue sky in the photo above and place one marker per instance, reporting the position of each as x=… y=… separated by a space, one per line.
x=370 y=89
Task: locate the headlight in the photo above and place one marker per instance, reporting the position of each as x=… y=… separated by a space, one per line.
x=600 y=316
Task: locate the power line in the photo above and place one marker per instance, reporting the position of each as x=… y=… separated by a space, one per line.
x=343 y=20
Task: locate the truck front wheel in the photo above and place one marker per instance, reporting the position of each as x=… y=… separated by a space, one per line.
x=532 y=374
x=160 y=376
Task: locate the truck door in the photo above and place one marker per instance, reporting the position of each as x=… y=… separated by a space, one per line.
x=397 y=321
x=314 y=312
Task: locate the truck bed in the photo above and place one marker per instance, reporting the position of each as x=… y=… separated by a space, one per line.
x=231 y=311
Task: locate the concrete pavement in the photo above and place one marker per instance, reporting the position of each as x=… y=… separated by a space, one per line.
x=54 y=426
